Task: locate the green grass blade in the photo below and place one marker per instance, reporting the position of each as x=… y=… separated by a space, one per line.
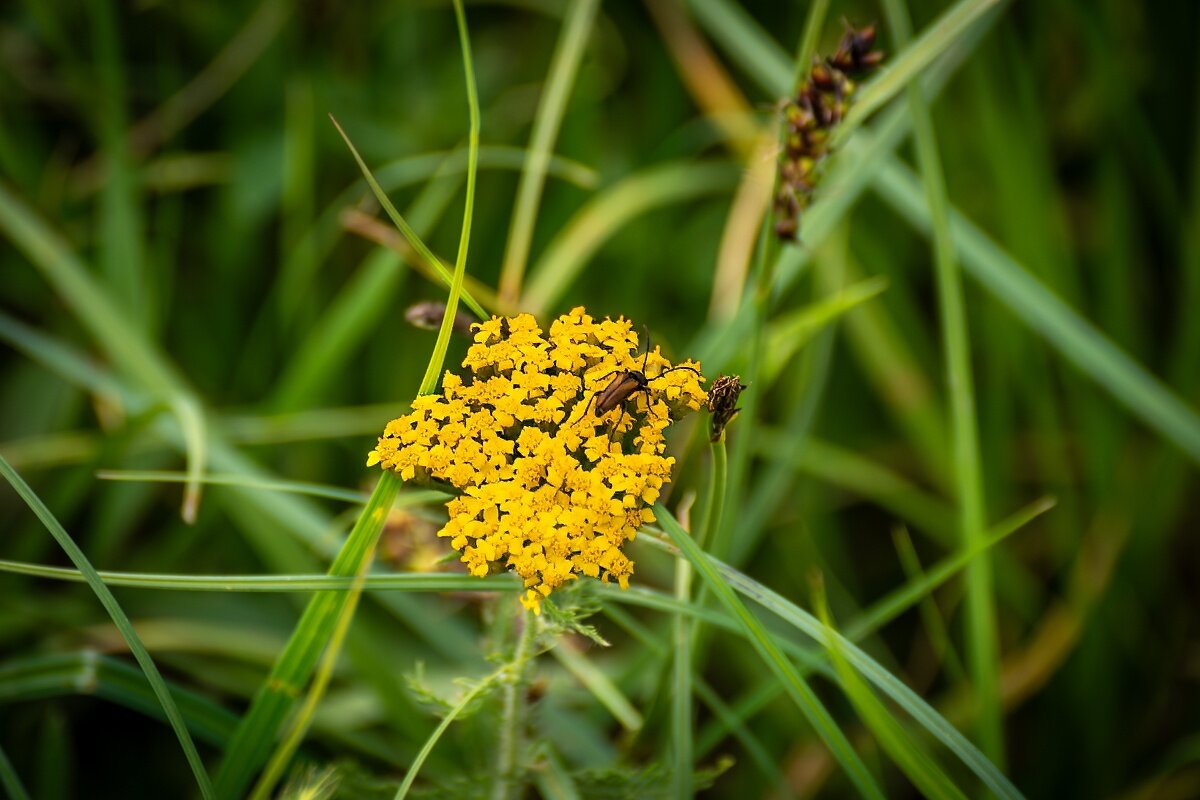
x=916 y=57
x=272 y=703
x=564 y=65
x=565 y=257
x=433 y=262
x=467 y=698
x=434 y=370
x=751 y=47
x=269 y=485
x=1081 y=343
x=122 y=254
x=596 y=681
x=983 y=656
x=906 y=698
x=810 y=705
x=922 y=770
x=793 y=330
x=389 y=582
x=90 y=673
x=10 y=780
x=105 y=596
x=905 y=597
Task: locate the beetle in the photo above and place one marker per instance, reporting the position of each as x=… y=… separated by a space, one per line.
x=626 y=384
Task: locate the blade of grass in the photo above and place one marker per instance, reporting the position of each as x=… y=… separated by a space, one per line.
x=432 y=261
x=245 y=482
x=899 y=72
x=932 y=620
x=577 y=25
x=628 y=199
x=105 y=596
x=905 y=697
x=597 y=681
x=1130 y=383
x=434 y=369
x=809 y=704
x=251 y=743
x=10 y=780
x=922 y=770
x=93 y=674
x=983 y=654
x=793 y=330
x=390 y=582
x=468 y=697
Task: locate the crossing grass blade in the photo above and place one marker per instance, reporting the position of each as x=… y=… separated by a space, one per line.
x=105 y=596
x=889 y=684
x=923 y=771
x=255 y=735
x=1063 y=328
x=810 y=705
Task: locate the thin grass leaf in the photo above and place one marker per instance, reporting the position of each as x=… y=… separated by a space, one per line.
x=899 y=72
x=810 y=705
x=789 y=332
x=596 y=681
x=10 y=780
x=433 y=262
x=248 y=482
x=983 y=645
x=256 y=732
x=577 y=25
x=105 y=596
x=389 y=582
x=922 y=770
x=905 y=597
x=92 y=674
x=434 y=370
x=1063 y=328
x=892 y=686
x=628 y=199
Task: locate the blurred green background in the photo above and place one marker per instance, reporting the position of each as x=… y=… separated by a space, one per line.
x=183 y=155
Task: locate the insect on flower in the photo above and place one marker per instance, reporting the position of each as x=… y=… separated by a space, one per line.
x=626 y=384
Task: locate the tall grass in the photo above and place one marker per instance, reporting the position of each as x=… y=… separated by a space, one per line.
x=204 y=300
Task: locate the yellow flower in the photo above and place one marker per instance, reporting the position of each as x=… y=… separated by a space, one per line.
x=549 y=489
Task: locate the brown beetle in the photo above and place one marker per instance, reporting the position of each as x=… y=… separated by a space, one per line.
x=627 y=383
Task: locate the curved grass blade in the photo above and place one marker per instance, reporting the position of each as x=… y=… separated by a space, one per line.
x=432 y=261
x=434 y=370
x=90 y=673
x=256 y=732
x=920 y=768
x=10 y=780
x=983 y=645
x=105 y=596
x=382 y=582
x=810 y=705
x=892 y=686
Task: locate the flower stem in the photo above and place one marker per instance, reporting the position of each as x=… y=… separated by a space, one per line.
x=508 y=778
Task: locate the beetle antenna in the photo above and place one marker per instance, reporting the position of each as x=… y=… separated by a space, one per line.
x=646 y=357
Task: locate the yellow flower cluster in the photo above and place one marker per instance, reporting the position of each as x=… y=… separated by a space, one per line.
x=548 y=488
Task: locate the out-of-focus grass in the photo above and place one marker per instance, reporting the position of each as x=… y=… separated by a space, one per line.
x=199 y=288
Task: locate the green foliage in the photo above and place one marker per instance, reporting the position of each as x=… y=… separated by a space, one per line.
x=986 y=337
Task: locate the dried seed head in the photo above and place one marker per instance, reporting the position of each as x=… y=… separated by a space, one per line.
x=819 y=105
x=722 y=402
